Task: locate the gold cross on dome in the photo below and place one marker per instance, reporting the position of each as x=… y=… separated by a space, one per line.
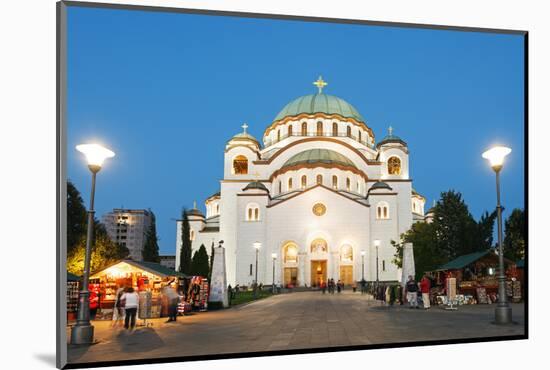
x=320 y=84
x=244 y=126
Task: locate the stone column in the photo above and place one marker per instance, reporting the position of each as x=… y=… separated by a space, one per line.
x=301 y=268
x=218 y=285
x=408 y=263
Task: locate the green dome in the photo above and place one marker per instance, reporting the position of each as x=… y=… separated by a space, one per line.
x=319 y=103
x=318 y=156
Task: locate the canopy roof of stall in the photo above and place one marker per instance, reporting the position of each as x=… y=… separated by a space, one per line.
x=124 y=266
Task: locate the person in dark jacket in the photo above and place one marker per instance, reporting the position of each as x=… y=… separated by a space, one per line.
x=412 y=292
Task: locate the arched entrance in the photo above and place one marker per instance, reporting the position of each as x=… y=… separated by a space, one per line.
x=318 y=254
x=346 y=264
x=290 y=264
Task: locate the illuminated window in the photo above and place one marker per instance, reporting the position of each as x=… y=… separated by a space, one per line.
x=382 y=211
x=304 y=128
x=252 y=212
x=320 y=179
x=290 y=184
x=334 y=182
x=334 y=129
x=319 y=246
x=240 y=165
x=394 y=166
x=290 y=253
x=346 y=253
x=319 y=128
x=191 y=234
x=304 y=181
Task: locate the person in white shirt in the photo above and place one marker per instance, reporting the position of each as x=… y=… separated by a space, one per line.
x=131 y=301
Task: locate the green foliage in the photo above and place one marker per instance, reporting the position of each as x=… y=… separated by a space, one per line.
x=514 y=239
x=77 y=217
x=211 y=262
x=199 y=264
x=185 y=250
x=150 y=252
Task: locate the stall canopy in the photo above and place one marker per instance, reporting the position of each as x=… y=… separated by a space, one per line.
x=130 y=266
x=468 y=259
x=72 y=277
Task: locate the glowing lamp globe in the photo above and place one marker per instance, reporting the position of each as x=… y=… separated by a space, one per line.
x=95 y=155
x=496 y=156
x=257 y=245
x=363 y=253
x=377 y=242
x=274 y=255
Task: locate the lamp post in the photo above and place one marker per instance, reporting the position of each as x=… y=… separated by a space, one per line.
x=273 y=257
x=503 y=311
x=257 y=246
x=363 y=266
x=83 y=331
x=377 y=244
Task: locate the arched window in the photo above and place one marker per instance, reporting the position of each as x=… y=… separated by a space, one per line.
x=348 y=184
x=304 y=128
x=319 y=128
x=346 y=253
x=191 y=234
x=278 y=135
x=304 y=181
x=290 y=183
x=280 y=186
x=290 y=253
x=358 y=187
x=394 y=166
x=217 y=209
x=319 y=246
x=320 y=179
x=252 y=212
x=334 y=129
x=240 y=165
x=289 y=132
x=382 y=211
x=334 y=182
x=359 y=135
x=348 y=131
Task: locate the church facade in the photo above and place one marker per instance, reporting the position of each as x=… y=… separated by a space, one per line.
x=317 y=198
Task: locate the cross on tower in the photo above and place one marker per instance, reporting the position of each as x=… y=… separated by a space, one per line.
x=320 y=84
x=244 y=126
x=194 y=204
x=390 y=130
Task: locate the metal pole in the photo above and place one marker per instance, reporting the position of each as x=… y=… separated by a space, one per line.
x=377 y=267
x=362 y=267
x=256 y=278
x=503 y=312
x=83 y=331
x=273 y=284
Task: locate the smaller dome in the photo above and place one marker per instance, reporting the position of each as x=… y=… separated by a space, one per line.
x=379 y=185
x=255 y=185
x=318 y=156
x=391 y=138
x=194 y=212
x=245 y=136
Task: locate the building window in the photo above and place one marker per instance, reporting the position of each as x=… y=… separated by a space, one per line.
x=304 y=181
x=319 y=179
x=304 y=128
x=334 y=182
x=359 y=135
x=290 y=184
x=394 y=166
x=319 y=246
x=217 y=209
x=240 y=165
x=250 y=269
x=383 y=265
x=290 y=253
x=319 y=128
x=348 y=131
x=382 y=211
x=252 y=212
x=280 y=187
x=191 y=234
x=334 y=129
x=348 y=184
x=358 y=187
x=346 y=253
x=289 y=132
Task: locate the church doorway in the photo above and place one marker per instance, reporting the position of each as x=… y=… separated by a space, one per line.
x=318 y=272
x=346 y=274
x=291 y=276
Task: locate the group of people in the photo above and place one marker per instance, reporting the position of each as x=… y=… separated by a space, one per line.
x=332 y=286
x=413 y=288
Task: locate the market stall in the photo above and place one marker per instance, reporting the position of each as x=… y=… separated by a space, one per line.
x=73 y=287
x=476 y=279
x=142 y=276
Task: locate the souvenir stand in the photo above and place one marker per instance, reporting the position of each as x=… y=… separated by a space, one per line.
x=476 y=279
x=195 y=295
x=142 y=276
x=73 y=288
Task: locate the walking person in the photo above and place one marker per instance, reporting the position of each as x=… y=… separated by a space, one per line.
x=118 y=311
x=172 y=299
x=412 y=289
x=425 y=285
x=323 y=287
x=130 y=301
x=339 y=286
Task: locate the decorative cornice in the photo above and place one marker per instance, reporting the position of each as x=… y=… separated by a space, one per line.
x=319 y=115
x=314 y=187
x=317 y=165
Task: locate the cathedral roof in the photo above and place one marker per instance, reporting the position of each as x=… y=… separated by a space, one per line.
x=319 y=103
x=380 y=185
x=391 y=138
x=255 y=185
x=318 y=156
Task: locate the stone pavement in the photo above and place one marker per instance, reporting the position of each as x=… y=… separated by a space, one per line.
x=293 y=321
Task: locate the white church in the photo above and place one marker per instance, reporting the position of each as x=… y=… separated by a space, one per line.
x=318 y=198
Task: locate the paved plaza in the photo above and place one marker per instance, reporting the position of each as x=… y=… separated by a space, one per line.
x=293 y=321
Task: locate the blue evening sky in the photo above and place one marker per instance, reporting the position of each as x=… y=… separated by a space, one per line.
x=166 y=91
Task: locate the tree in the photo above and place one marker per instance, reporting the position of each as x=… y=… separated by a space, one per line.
x=150 y=250
x=483 y=232
x=185 y=250
x=211 y=262
x=199 y=264
x=77 y=217
x=514 y=239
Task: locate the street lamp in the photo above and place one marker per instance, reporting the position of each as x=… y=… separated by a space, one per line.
x=377 y=244
x=503 y=311
x=83 y=331
x=363 y=266
x=257 y=246
x=274 y=257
